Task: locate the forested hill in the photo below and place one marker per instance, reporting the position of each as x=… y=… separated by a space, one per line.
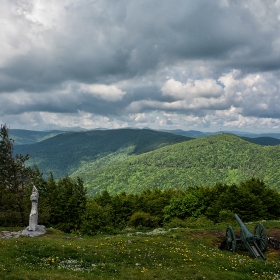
x=22 y=136
x=223 y=158
x=67 y=152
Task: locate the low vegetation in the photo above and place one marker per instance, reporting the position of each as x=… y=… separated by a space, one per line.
x=190 y=253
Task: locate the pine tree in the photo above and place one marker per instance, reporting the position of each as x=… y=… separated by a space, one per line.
x=67 y=202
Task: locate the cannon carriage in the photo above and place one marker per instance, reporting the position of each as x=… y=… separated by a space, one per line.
x=255 y=243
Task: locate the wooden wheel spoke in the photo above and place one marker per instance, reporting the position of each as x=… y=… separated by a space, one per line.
x=230 y=239
x=261 y=236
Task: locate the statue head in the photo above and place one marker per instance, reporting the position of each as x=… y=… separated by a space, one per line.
x=35 y=194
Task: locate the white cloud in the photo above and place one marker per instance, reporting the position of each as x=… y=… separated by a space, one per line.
x=206 y=63
x=205 y=94
x=110 y=93
x=140 y=118
x=192 y=88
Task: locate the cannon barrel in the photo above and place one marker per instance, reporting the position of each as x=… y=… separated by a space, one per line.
x=246 y=234
x=249 y=240
x=256 y=244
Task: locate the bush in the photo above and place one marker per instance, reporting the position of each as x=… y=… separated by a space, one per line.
x=176 y=223
x=182 y=207
x=201 y=221
x=143 y=219
x=96 y=219
x=226 y=216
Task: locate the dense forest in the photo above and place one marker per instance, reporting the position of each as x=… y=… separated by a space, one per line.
x=223 y=158
x=68 y=152
x=65 y=205
x=132 y=160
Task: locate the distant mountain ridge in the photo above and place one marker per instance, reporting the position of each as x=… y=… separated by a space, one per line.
x=198 y=134
x=22 y=136
x=67 y=152
x=264 y=141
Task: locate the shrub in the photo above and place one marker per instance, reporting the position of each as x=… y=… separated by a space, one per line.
x=96 y=219
x=226 y=216
x=201 y=221
x=176 y=223
x=189 y=205
x=143 y=219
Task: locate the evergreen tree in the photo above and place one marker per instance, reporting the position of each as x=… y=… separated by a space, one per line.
x=16 y=179
x=67 y=203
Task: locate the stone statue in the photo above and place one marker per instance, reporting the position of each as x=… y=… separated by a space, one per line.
x=34 y=229
x=33 y=218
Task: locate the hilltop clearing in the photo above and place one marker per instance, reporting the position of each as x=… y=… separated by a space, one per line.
x=162 y=254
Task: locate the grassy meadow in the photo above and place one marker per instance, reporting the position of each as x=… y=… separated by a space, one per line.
x=185 y=253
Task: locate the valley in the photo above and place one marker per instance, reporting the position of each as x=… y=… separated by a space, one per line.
x=132 y=160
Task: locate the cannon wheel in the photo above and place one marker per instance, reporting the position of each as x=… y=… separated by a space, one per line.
x=230 y=239
x=261 y=236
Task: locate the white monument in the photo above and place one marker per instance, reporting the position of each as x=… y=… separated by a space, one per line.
x=34 y=229
x=33 y=218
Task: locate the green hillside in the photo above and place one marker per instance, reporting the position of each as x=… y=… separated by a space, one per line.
x=223 y=158
x=84 y=151
x=22 y=137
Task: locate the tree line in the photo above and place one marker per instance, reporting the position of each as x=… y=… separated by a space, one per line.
x=63 y=203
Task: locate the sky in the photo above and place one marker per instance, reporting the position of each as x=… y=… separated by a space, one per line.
x=183 y=64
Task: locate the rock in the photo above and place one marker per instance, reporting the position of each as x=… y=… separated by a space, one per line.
x=40 y=230
x=7 y=234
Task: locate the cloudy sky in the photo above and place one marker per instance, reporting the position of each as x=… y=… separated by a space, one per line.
x=182 y=64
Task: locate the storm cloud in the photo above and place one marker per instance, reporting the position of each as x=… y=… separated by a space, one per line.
x=160 y=64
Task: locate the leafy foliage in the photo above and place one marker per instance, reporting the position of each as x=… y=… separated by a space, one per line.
x=16 y=179
x=143 y=220
x=97 y=218
x=67 y=203
x=251 y=200
x=205 y=161
x=183 y=206
x=61 y=203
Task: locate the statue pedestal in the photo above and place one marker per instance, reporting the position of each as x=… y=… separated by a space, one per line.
x=40 y=230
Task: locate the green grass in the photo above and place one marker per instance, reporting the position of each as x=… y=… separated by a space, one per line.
x=174 y=254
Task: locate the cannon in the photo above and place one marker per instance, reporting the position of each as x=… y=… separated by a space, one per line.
x=255 y=243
